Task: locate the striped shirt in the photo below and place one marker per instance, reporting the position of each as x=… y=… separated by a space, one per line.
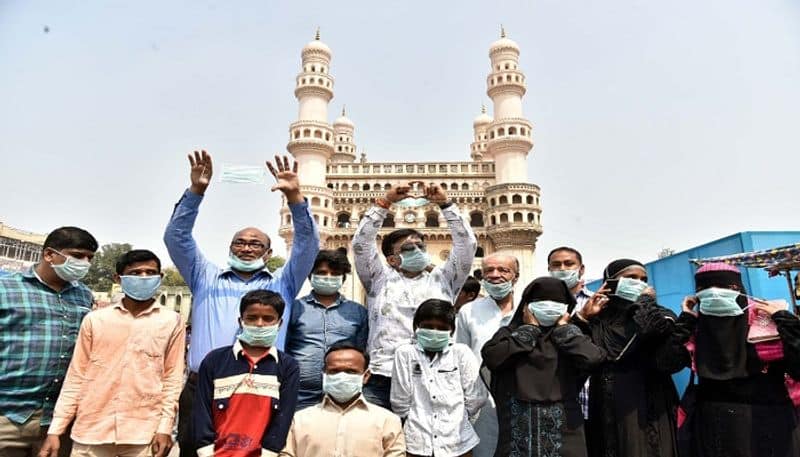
x=392 y=299
x=38 y=329
x=216 y=291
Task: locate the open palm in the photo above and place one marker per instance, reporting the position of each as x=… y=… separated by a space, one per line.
x=201 y=170
x=286 y=177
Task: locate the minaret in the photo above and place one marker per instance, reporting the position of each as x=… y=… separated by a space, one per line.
x=344 y=150
x=513 y=211
x=480 y=126
x=311 y=138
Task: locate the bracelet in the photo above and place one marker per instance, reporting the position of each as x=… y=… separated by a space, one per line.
x=383 y=203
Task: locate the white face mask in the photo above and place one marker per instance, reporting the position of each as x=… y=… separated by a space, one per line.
x=342 y=386
x=72 y=269
x=570 y=277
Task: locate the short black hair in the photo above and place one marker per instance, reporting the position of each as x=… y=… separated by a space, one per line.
x=264 y=297
x=477 y=274
x=471 y=285
x=389 y=240
x=336 y=260
x=568 y=249
x=434 y=308
x=136 y=256
x=70 y=238
x=347 y=345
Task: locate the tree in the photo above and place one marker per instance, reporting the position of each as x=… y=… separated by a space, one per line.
x=275 y=262
x=172 y=277
x=101 y=274
x=665 y=252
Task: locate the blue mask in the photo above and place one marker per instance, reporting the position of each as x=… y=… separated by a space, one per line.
x=412 y=202
x=547 y=312
x=140 y=288
x=244 y=174
x=716 y=301
x=630 y=289
x=498 y=291
x=342 y=386
x=72 y=269
x=414 y=261
x=432 y=340
x=570 y=277
x=326 y=285
x=242 y=265
x=259 y=336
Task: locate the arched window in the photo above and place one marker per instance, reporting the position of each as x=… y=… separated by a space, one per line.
x=389 y=221
x=501 y=131
x=503 y=218
x=516 y=198
x=530 y=217
x=313 y=68
x=306 y=133
x=494 y=220
x=296 y=134
x=325 y=221
x=479 y=252
x=517 y=217
x=476 y=219
x=464 y=186
x=356 y=186
x=431 y=219
x=387 y=186
x=163 y=300
x=178 y=303
x=316 y=218
x=512 y=130
x=366 y=186
x=315 y=201
x=327 y=137
x=454 y=186
x=529 y=199
x=491 y=201
x=343 y=220
x=503 y=200
x=317 y=134
x=345 y=186
x=443 y=185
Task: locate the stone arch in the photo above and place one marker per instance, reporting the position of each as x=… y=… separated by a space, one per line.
x=366 y=186
x=516 y=198
x=503 y=200
x=389 y=221
x=318 y=134
x=431 y=219
x=494 y=220
x=531 y=217
x=476 y=219
x=517 y=217
x=306 y=133
x=315 y=201
x=503 y=218
x=529 y=199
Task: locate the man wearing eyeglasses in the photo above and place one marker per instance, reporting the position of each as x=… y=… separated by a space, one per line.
x=216 y=291
x=396 y=289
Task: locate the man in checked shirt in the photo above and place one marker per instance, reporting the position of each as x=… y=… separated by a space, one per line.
x=41 y=311
x=396 y=288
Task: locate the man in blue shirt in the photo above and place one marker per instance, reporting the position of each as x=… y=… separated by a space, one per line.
x=321 y=319
x=216 y=291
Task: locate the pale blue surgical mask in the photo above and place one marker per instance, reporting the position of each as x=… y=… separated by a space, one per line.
x=716 y=301
x=432 y=340
x=259 y=336
x=244 y=174
x=547 y=312
x=245 y=265
x=342 y=386
x=414 y=261
x=630 y=289
x=326 y=285
x=140 y=288
x=498 y=291
x=72 y=269
x=411 y=202
x=570 y=277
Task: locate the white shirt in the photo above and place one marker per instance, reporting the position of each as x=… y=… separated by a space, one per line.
x=478 y=321
x=439 y=398
x=392 y=299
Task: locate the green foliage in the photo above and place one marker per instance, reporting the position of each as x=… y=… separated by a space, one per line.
x=172 y=277
x=275 y=262
x=101 y=274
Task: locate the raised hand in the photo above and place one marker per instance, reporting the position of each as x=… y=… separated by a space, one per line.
x=397 y=193
x=596 y=303
x=435 y=194
x=688 y=305
x=286 y=177
x=201 y=171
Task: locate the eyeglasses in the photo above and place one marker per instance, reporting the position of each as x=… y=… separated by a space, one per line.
x=252 y=244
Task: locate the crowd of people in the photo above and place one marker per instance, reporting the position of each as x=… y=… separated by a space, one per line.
x=426 y=367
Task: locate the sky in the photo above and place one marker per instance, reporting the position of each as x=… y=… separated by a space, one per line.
x=656 y=124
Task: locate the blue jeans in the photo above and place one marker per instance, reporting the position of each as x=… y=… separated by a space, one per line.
x=377 y=391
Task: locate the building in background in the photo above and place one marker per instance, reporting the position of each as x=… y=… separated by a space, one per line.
x=176 y=298
x=19 y=249
x=491 y=189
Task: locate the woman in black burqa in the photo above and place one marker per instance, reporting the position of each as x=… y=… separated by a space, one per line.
x=632 y=398
x=743 y=407
x=537 y=369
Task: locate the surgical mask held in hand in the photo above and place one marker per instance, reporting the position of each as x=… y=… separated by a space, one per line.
x=719 y=302
x=326 y=285
x=140 y=288
x=547 y=312
x=259 y=336
x=414 y=261
x=72 y=269
x=244 y=174
x=342 y=386
x=432 y=340
x=630 y=289
x=498 y=291
x=570 y=277
x=411 y=202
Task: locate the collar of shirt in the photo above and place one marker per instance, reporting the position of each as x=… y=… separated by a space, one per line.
x=229 y=271
x=360 y=402
x=31 y=274
x=150 y=309
x=438 y=354
x=584 y=292
x=311 y=299
x=238 y=349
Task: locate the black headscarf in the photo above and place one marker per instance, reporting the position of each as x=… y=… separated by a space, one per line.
x=615 y=327
x=721 y=342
